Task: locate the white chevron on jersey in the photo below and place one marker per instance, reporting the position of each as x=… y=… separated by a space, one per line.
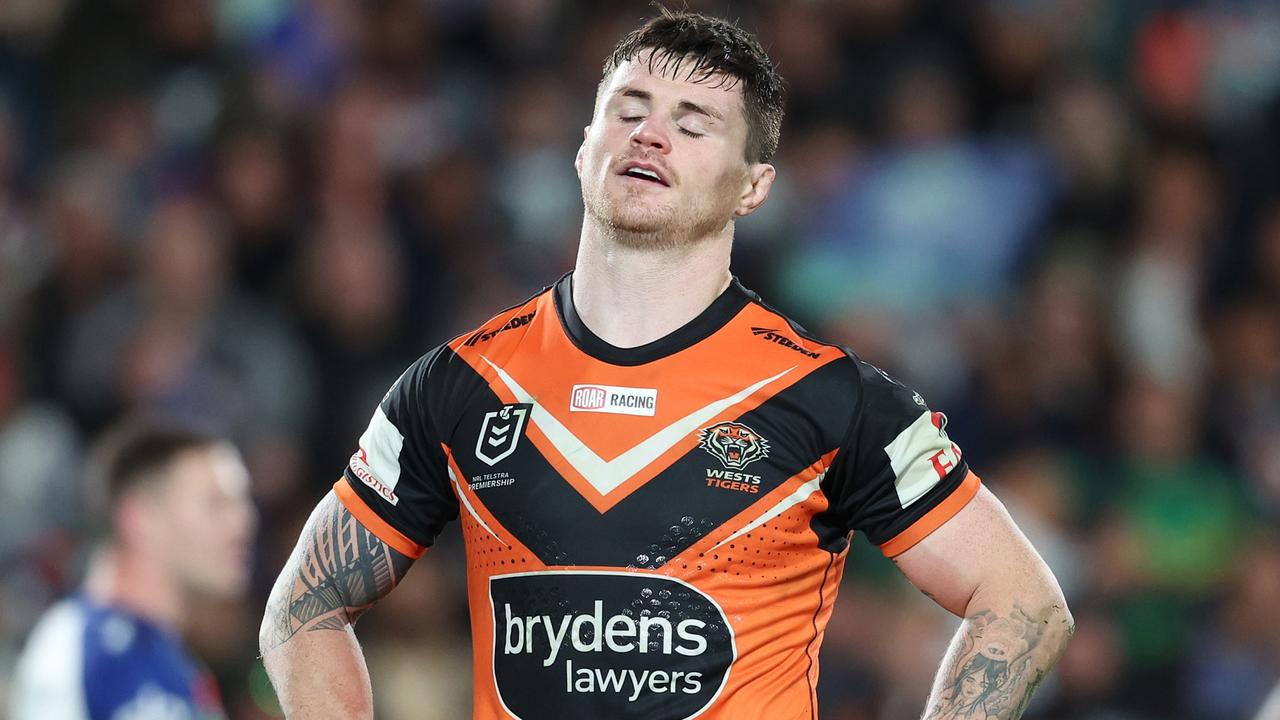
x=453 y=477
x=607 y=475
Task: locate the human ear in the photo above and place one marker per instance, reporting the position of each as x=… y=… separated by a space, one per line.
x=760 y=178
x=577 y=160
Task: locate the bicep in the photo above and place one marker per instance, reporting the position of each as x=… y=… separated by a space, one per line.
x=979 y=547
x=338 y=569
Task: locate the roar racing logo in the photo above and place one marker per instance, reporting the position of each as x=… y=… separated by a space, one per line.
x=734 y=444
x=601 y=644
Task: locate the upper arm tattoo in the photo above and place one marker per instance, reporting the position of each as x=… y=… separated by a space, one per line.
x=338 y=570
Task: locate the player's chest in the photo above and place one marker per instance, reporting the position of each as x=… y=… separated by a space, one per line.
x=635 y=471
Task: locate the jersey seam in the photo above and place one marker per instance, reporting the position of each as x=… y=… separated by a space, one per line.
x=848 y=353
x=427 y=413
x=802 y=332
x=862 y=394
x=847 y=442
x=808 y=647
x=796 y=327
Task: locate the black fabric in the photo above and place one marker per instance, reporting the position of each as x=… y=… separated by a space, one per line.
x=862 y=483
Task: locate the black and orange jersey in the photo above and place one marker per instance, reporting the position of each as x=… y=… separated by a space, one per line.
x=651 y=532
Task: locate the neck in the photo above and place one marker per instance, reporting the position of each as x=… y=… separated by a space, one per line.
x=138 y=584
x=630 y=296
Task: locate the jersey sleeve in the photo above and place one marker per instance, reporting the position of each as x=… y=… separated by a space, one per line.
x=899 y=477
x=396 y=483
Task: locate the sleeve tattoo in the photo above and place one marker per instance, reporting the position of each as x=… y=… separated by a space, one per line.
x=338 y=570
x=996 y=663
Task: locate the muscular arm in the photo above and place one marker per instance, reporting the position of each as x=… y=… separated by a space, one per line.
x=337 y=571
x=1016 y=624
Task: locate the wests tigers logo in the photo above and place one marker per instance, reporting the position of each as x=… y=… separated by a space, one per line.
x=734 y=444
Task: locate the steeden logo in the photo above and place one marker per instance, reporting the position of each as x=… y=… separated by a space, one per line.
x=777 y=338
x=487 y=335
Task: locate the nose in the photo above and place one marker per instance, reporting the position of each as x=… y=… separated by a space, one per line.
x=649 y=135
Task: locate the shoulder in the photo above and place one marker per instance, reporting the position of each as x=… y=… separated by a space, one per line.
x=448 y=373
x=877 y=398
x=85 y=662
x=48 y=681
x=59 y=630
x=130 y=666
x=770 y=326
x=505 y=328
x=508 y=325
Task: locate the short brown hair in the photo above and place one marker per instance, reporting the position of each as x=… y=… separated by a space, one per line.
x=715 y=47
x=136 y=454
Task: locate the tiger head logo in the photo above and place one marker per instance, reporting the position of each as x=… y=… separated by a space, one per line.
x=735 y=444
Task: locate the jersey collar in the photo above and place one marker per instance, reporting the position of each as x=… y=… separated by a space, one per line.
x=715 y=316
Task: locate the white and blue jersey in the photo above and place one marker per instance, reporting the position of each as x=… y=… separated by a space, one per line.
x=86 y=661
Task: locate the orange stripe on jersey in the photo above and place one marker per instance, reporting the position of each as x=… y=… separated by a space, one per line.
x=375 y=524
x=933 y=519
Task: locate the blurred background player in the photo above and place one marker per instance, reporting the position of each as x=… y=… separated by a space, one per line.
x=178 y=525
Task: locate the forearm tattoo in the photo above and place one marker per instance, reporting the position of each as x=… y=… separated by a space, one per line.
x=337 y=571
x=996 y=662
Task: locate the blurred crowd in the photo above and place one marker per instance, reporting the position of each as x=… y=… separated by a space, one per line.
x=1058 y=219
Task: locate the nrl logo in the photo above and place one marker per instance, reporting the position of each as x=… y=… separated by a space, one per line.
x=500 y=432
x=734 y=444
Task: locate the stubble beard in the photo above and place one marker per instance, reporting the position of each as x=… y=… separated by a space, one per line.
x=640 y=227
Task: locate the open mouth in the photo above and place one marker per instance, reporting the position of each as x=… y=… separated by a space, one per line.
x=645 y=173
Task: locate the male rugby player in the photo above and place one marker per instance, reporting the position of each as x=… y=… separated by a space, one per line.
x=179 y=525
x=657 y=474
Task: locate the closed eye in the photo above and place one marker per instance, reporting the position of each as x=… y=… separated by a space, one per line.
x=638 y=118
